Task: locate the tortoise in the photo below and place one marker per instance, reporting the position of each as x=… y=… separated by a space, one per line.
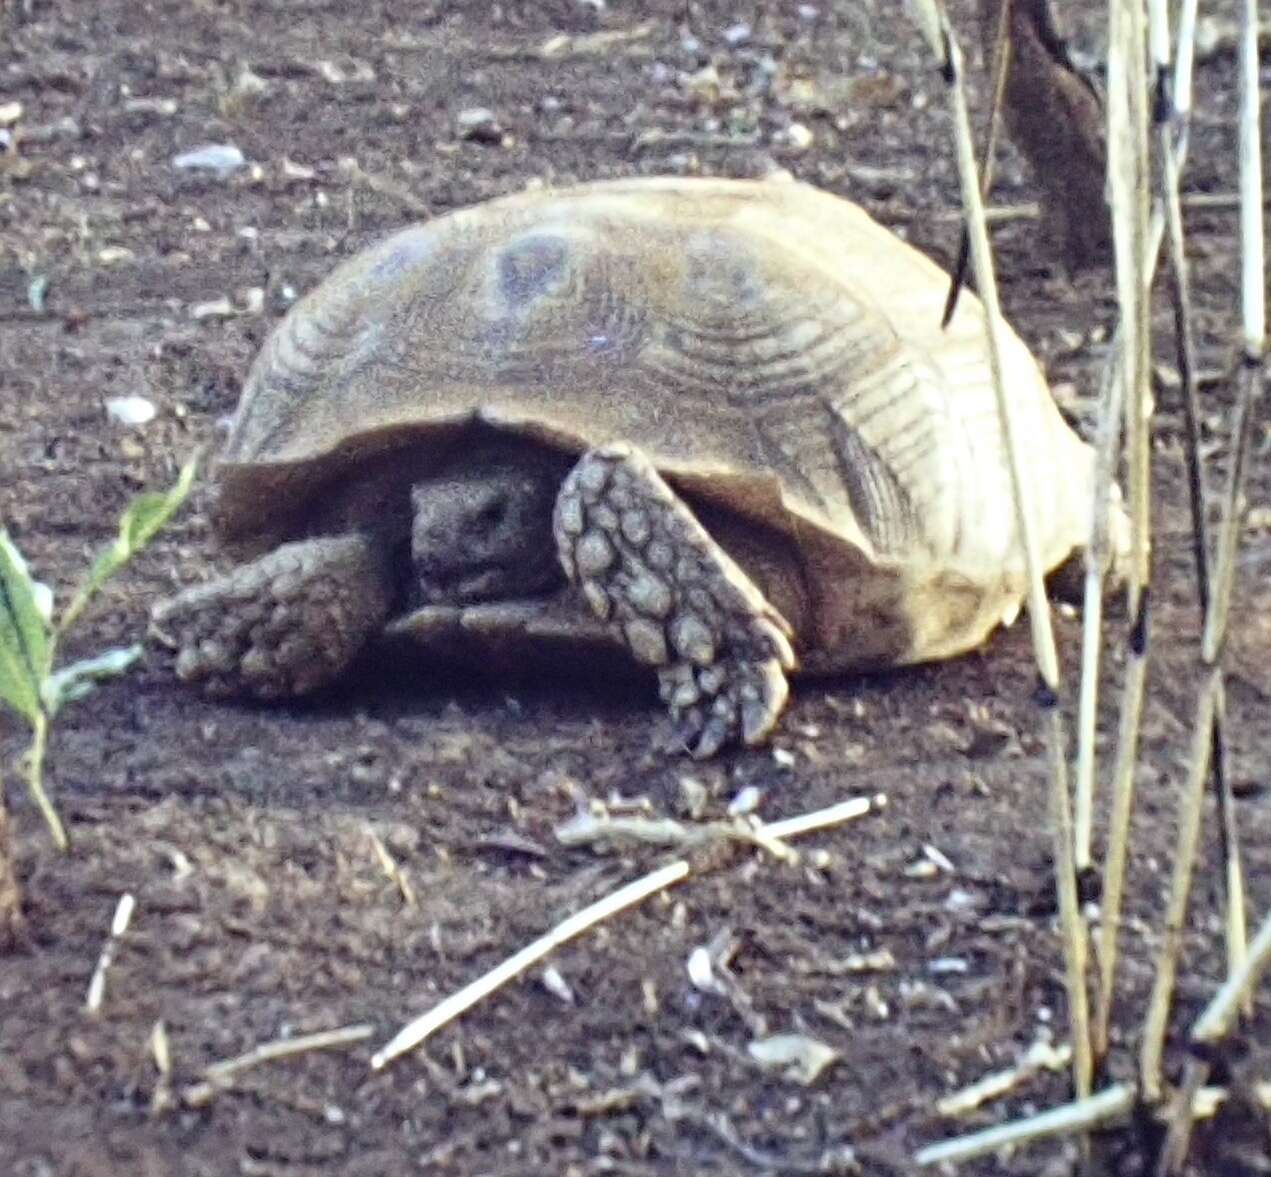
x=714 y=423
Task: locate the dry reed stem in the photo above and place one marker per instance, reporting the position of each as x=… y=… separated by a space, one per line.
x=1118 y=837
x=998 y=69
x=1207 y=706
x=1080 y=1116
x=1129 y=174
x=1174 y=129
x=1168 y=213
x=1176 y=911
x=1218 y=1017
x=1074 y=933
x=1211 y=1028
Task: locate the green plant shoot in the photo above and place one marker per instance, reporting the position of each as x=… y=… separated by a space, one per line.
x=31 y=683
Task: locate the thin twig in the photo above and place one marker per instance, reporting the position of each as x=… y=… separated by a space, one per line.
x=1081 y=1116
x=819 y=819
x=392 y=870
x=1040 y=1056
x=221 y=1075
x=587 y=828
x=416 y=1031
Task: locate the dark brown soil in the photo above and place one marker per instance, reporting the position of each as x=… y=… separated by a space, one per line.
x=262 y=909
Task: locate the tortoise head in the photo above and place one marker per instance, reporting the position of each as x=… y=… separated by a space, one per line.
x=482 y=527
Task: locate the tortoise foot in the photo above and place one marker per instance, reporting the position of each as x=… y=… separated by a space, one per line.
x=282 y=625
x=678 y=600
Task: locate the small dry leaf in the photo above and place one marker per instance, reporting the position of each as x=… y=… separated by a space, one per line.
x=796 y=1056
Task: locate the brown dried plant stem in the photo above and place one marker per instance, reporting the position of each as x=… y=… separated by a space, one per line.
x=1085 y=1115
x=1074 y=933
x=11 y=922
x=1171 y=111
x=1249 y=390
x=1129 y=174
x=1001 y=64
x=1208 y=1032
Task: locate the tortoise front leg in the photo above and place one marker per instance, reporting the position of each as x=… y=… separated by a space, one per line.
x=677 y=599
x=282 y=625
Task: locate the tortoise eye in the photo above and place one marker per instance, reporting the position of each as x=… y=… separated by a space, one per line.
x=495 y=512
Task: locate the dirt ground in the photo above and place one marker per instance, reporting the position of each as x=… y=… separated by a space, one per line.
x=918 y=943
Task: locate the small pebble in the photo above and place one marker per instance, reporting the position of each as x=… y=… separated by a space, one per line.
x=221 y=158
x=478 y=124
x=130 y=410
x=796 y=136
x=556 y=984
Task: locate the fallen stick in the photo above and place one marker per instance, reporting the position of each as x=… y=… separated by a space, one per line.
x=423 y=1027
x=221 y=1075
x=1082 y=1115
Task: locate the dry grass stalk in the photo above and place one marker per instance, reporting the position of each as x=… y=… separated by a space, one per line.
x=1074 y=932
x=221 y=1075
x=1172 y=126
x=1184 y=856
x=118 y=926
x=1172 y=138
x=1219 y=1016
x=421 y=1028
x=1210 y=1029
x=1040 y=1056
x=1082 y=1116
x=391 y=868
x=999 y=56
x=1097 y=561
x=1253 y=325
x=1128 y=176
x=1115 y=856
x=1210 y=699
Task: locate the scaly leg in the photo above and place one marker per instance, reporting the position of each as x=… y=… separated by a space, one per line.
x=282 y=625
x=677 y=599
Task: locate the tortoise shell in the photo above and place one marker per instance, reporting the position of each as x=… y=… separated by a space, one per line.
x=773 y=350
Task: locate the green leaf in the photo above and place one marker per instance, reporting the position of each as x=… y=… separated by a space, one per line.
x=79 y=678
x=141 y=520
x=24 y=637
